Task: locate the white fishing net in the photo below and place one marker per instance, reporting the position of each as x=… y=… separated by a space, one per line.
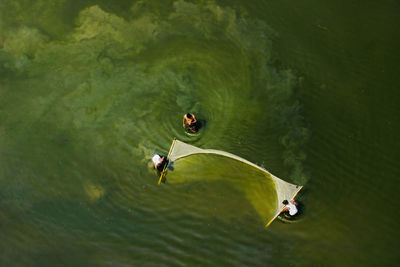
x=284 y=190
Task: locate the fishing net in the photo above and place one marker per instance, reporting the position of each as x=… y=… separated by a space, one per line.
x=284 y=190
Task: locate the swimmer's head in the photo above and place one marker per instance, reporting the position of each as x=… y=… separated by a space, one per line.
x=188 y=115
x=285 y=202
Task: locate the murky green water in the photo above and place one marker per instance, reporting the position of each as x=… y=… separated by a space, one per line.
x=228 y=184
x=89 y=90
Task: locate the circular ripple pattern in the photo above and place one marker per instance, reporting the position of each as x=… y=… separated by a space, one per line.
x=93 y=107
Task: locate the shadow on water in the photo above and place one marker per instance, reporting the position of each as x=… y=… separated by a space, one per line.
x=200 y=127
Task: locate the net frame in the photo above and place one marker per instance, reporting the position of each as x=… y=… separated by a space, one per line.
x=284 y=190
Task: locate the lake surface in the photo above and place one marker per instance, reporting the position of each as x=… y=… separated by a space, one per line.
x=90 y=90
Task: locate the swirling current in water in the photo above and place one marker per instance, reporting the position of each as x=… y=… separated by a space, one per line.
x=82 y=113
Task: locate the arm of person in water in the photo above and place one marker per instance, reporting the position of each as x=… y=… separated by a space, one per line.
x=293 y=202
x=194 y=120
x=285 y=209
x=183 y=122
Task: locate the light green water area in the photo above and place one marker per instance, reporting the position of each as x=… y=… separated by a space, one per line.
x=220 y=180
x=90 y=90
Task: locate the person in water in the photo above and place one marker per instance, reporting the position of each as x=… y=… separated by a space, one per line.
x=290 y=207
x=159 y=162
x=191 y=121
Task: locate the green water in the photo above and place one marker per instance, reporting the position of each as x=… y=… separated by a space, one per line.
x=222 y=180
x=89 y=90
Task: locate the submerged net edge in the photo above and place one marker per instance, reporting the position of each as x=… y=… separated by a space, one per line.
x=284 y=190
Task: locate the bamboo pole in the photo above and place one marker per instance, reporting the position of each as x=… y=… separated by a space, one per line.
x=166 y=165
x=270 y=221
